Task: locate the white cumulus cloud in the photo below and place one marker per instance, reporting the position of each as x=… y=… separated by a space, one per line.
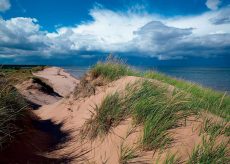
x=21 y=36
x=110 y=31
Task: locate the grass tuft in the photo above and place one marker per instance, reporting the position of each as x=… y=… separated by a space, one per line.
x=12 y=113
x=112 y=69
x=127 y=154
x=171 y=159
x=210 y=153
x=108 y=115
x=214 y=128
x=158 y=113
x=148 y=105
x=204 y=99
x=19 y=75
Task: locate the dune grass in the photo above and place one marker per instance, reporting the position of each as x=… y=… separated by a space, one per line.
x=171 y=159
x=111 y=69
x=209 y=152
x=216 y=128
x=148 y=105
x=158 y=113
x=12 y=113
x=204 y=99
x=107 y=115
x=127 y=154
x=19 y=75
x=151 y=106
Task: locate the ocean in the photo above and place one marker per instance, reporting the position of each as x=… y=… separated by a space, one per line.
x=216 y=78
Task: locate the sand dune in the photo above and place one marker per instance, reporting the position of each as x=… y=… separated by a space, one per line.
x=72 y=113
x=62 y=82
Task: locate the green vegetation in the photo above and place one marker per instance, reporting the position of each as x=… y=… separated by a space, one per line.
x=127 y=154
x=158 y=111
x=149 y=105
x=18 y=75
x=206 y=99
x=13 y=112
x=112 y=69
x=210 y=153
x=203 y=98
x=171 y=159
x=109 y=114
x=214 y=128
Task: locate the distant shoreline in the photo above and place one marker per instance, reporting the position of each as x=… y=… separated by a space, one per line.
x=5 y=66
x=217 y=78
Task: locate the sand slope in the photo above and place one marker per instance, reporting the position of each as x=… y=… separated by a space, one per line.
x=62 y=82
x=71 y=114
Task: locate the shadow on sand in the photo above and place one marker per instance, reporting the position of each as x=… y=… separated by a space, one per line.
x=33 y=146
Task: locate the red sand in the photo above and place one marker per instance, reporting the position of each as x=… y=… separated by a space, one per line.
x=73 y=114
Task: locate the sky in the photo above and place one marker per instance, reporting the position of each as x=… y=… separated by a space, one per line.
x=80 y=32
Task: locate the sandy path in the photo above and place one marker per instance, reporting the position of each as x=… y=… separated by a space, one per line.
x=42 y=134
x=62 y=82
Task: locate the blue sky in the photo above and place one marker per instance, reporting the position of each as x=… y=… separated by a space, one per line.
x=67 y=13
x=164 y=31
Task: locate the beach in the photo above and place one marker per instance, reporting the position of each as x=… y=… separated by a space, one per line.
x=67 y=110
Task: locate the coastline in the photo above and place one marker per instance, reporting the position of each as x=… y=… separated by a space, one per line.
x=77 y=105
x=216 y=78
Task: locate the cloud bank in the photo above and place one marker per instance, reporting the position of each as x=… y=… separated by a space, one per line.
x=205 y=35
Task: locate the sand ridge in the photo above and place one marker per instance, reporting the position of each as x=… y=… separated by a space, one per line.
x=73 y=114
x=62 y=82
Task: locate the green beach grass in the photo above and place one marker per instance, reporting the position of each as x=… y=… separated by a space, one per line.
x=107 y=115
x=14 y=112
x=171 y=159
x=149 y=105
x=209 y=152
x=204 y=99
x=127 y=154
x=18 y=75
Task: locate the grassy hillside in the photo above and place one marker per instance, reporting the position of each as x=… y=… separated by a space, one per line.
x=151 y=106
x=204 y=99
x=17 y=75
x=13 y=108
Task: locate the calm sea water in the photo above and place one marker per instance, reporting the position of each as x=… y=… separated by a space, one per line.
x=215 y=78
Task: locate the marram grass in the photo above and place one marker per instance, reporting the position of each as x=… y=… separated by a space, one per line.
x=12 y=112
x=158 y=112
x=107 y=115
x=150 y=105
x=204 y=99
x=210 y=152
